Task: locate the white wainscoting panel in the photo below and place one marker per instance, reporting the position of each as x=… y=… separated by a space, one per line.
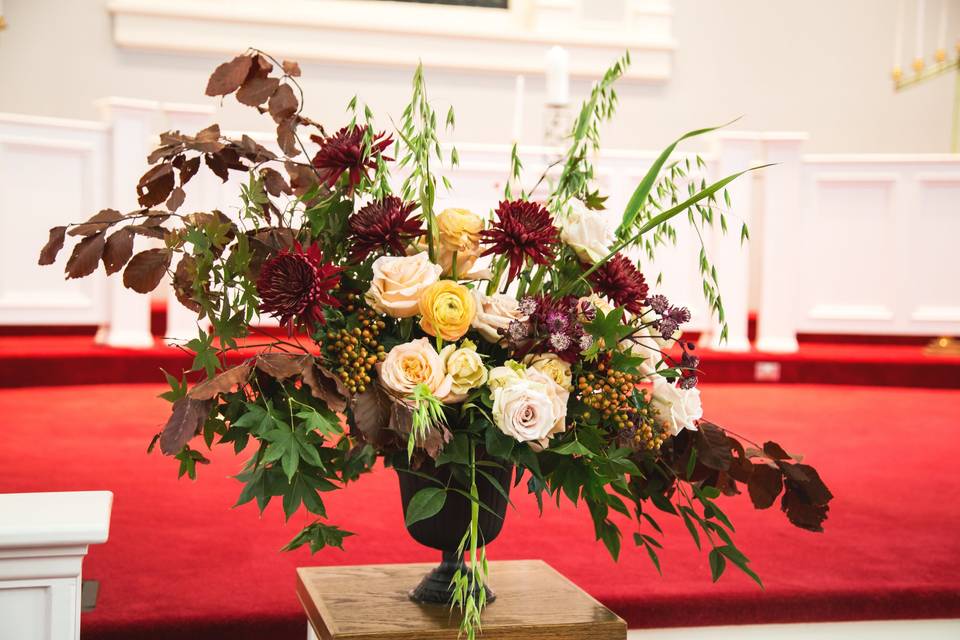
x=51 y=172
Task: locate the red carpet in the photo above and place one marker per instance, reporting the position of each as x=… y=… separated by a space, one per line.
x=34 y=360
x=180 y=564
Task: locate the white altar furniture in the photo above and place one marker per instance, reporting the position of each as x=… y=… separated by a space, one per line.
x=43 y=539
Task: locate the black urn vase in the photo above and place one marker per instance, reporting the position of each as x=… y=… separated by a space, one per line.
x=445 y=530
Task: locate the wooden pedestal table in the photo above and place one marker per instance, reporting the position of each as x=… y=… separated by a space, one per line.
x=534 y=602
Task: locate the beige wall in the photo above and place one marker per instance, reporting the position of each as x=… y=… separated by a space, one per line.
x=818 y=65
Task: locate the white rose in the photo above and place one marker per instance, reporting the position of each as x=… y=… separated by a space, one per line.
x=398 y=281
x=465 y=368
x=525 y=411
x=588 y=233
x=408 y=365
x=678 y=408
x=494 y=313
x=558 y=397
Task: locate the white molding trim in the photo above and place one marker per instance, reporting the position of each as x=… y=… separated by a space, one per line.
x=400 y=34
x=860 y=313
x=942 y=629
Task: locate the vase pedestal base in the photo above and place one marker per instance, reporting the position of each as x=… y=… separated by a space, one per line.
x=436 y=588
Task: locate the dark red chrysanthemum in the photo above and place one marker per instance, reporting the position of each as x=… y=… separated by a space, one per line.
x=344 y=152
x=522 y=229
x=622 y=282
x=381 y=224
x=297 y=284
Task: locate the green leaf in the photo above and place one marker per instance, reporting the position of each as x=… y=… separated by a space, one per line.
x=640 y=194
x=717 y=563
x=426 y=503
x=291 y=458
x=317 y=421
x=574 y=447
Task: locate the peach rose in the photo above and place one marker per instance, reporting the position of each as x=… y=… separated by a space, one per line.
x=398 y=282
x=495 y=313
x=408 y=365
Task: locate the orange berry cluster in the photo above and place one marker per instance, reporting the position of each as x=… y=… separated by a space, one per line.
x=609 y=393
x=354 y=352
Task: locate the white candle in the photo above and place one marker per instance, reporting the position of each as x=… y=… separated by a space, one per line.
x=518 y=109
x=942 y=37
x=898 y=36
x=558 y=76
x=921 y=18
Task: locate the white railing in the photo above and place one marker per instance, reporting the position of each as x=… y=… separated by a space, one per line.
x=839 y=243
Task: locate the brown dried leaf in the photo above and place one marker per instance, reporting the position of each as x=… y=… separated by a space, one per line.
x=274 y=183
x=147 y=230
x=85 y=257
x=176 y=199
x=189 y=169
x=188 y=416
x=764 y=485
x=302 y=178
x=371 y=414
x=808 y=481
x=146 y=270
x=183 y=283
x=155 y=185
x=256 y=90
x=800 y=512
x=261 y=67
x=164 y=152
x=254 y=151
x=713 y=447
x=54 y=243
x=228 y=76
x=97 y=223
x=283 y=104
x=326 y=386
x=291 y=68
x=774 y=451
x=216 y=164
x=118 y=249
x=283 y=365
x=221 y=383
x=287 y=138
x=209 y=138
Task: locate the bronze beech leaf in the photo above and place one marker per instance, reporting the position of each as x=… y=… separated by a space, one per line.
x=189 y=169
x=221 y=383
x=274 y=183
x=326 y=386
x=155 y=185
x=183 y=278
x=146 y=270
x=283 y=365
x=291 y=68
x=97 y=223
x=764 y=485
x=176 y=199
x=85 y=257
x=118 y=249
x=713 y=447
x=774 y=451
x=48 y=254
x=371 y=413
x=287 y=139
x=228 y=76
x=217 y=165
x=188 y=416
x=256 y=90
x=283 y=104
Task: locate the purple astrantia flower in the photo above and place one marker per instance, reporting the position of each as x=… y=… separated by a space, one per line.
x=658 y=303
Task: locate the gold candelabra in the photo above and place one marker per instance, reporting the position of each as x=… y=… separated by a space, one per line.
x=942 y=63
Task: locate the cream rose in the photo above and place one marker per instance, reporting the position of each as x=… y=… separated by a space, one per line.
x=507 y=374
x=494 y=313
x=525 y=411
x=678 y=408
x=588 y=233
x=408 y=365
x=398 y=282
x=465 y=368
x=551 y=364
x=558 y=397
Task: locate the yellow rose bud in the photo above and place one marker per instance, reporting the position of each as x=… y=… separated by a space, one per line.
x=556 y=369
x=465 y=368
x=459 y=230
x=446 y=309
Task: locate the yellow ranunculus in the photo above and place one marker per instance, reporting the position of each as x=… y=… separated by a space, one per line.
x=447 y=309
x=459 y=230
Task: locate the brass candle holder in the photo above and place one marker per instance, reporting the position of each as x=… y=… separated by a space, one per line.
x=942 y=63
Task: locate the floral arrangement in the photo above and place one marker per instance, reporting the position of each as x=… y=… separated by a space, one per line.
x=529 y=339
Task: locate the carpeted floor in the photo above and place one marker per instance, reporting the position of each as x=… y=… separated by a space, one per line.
x=181 y=564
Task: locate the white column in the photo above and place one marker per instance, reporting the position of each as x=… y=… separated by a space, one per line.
x=189 y=119
x=736 y=151
x=776 y=319
x=132 y=136
x=43 y=540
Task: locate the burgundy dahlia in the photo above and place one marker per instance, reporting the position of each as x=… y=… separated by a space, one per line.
x=622 y=282
x=343 y=152
x=381 y=224
x=522 y=229
x=297 y=284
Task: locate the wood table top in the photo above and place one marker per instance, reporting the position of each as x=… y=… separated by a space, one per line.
x=534 y=602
